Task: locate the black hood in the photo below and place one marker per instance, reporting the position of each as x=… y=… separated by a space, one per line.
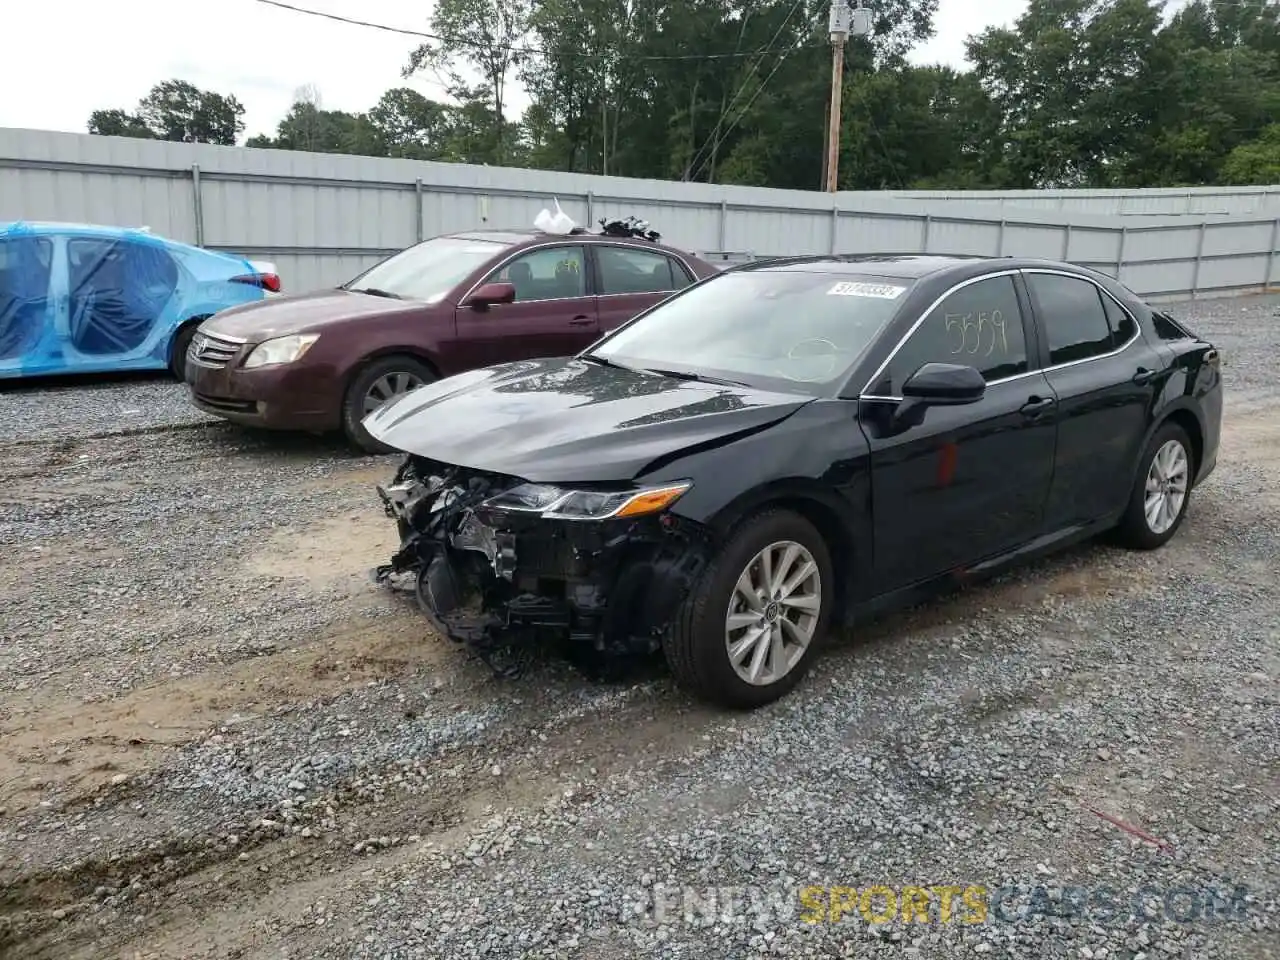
x=568 y=420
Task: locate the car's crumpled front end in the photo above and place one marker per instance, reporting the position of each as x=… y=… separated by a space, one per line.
x=494 y=561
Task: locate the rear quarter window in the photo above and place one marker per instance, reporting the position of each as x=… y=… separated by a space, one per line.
x=1165 y=326
x=1168 y=328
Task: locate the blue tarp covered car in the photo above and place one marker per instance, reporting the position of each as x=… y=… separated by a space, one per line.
x=77 y=298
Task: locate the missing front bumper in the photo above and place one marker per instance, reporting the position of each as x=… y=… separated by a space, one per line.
x=499 y=582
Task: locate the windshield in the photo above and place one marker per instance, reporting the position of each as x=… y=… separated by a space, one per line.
x=791 y=329
x=428 y=270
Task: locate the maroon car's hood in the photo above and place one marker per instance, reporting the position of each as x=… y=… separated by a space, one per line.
x=280 y=316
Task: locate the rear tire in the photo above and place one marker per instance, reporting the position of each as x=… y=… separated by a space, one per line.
x=178 y=351
x=382 y=378
x=1161 y=490
x=712 y=647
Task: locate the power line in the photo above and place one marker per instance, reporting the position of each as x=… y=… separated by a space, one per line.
x=755 y=67
x=458 y=41
x=747 y=106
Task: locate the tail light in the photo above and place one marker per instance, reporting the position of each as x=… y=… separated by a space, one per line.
x=267 y=281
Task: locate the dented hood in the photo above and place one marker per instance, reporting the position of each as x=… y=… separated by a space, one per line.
x=568 y=420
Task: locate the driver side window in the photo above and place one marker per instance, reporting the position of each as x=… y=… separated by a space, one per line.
x=979 y=326
x=549 y=273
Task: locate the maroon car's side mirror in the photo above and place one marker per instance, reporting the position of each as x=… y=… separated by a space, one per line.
x=489 y=293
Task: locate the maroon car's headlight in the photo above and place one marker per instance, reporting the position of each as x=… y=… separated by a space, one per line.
x=280 y=350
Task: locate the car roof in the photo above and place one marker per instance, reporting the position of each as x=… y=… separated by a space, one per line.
x=532 y=236
x=84 y=229
x=901 y=266
x=912 y=266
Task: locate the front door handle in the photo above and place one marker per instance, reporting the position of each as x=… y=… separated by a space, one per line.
x=1144 y=376
x=1036 y=406
x=581 y=321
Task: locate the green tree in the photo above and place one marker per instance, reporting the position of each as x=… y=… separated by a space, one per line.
x=1214 y=84
x=1075 y=93
x=119 y=123
x=487 y=36
x=1256 y=163
x=412 y=126
x=1068 y=80
x=329 y=131
x=711 y=90
x=179 y=111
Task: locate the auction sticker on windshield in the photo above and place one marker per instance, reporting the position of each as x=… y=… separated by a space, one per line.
x=882 y=291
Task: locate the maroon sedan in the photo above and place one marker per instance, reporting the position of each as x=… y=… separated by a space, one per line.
x=324 y=361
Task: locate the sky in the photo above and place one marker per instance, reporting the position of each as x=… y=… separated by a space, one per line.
x=66 y=58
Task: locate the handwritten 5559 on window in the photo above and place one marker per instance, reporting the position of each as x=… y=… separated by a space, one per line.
x=979 y=325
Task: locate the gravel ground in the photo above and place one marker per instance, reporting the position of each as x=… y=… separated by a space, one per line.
x=217 y=738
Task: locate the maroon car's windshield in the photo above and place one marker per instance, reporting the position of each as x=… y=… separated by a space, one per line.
x=428 y=270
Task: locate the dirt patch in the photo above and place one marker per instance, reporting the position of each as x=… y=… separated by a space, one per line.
x=1256 y=439
x=339 y=550
x=33 y=566
x=361 y=477
x=71 y=750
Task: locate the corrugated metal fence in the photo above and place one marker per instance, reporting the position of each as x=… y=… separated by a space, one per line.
x=322 y=218
x=1173 y=201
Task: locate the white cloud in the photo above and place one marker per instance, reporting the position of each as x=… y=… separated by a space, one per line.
x=65 y=58
x=956 y=20
x=111 y=54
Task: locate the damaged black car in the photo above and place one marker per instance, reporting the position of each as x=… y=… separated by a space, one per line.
x=783 y=448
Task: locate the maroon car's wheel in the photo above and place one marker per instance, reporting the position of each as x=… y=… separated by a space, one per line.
x=376 y=383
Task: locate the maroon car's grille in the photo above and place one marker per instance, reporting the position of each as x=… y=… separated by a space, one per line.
x=211 y=351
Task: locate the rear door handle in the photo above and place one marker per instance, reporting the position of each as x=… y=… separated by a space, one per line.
x=1036 y=406
x=581 y=321
x=1144 y=376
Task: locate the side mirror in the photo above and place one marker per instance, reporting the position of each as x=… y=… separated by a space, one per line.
x=937 y=385
x=490 y=293
x=945 y=384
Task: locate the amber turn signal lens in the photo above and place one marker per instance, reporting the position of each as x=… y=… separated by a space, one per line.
x=651 y=501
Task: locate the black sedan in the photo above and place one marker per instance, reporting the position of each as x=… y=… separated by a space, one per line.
x=791 y=445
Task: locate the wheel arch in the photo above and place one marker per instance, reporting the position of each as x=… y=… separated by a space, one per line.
x=1183 y=413
x=830 y=515
x=190 y=323
x=418 y=354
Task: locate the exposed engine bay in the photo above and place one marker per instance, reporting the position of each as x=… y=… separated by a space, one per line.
x=497 y=563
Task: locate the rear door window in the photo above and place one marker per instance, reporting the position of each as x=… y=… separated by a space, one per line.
x=26 y=265
x=624 y=270
x=118 y=291
x=548 y=273
x=1071 y=313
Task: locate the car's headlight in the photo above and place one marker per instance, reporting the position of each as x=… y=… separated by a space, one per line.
x=558 y=503
x=281 y=350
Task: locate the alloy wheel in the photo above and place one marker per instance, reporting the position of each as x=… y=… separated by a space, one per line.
x=391 y=385
x=773 y=613
x=1166 y=489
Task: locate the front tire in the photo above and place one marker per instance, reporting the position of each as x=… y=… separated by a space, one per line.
x=374 y=385
x=1161 y=491
x=754 y=620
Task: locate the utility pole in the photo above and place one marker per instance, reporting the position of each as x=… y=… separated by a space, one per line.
x=843 y=20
